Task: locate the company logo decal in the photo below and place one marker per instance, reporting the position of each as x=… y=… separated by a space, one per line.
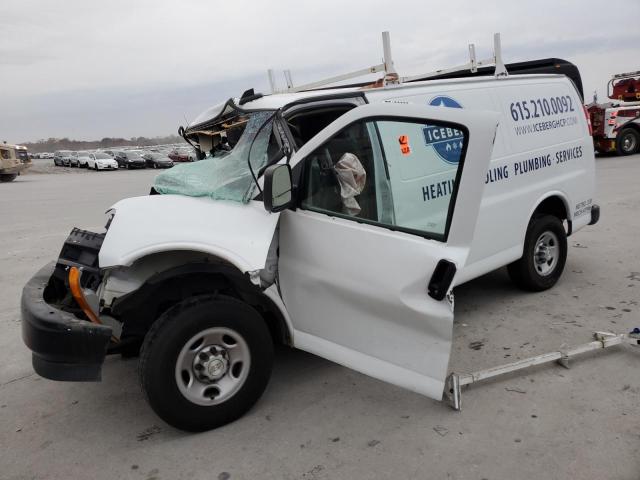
x=447 y=142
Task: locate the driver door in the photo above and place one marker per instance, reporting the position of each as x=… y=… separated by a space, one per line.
x=387 y=202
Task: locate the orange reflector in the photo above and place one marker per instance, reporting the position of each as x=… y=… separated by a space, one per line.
x=78 y=295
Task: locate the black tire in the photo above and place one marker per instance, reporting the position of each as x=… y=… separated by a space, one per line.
x=95 y=167
x=172 y=332
x=525 y=272
x=5 y=178
x=628 y=141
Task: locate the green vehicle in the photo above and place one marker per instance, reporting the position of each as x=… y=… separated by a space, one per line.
x=13 y=160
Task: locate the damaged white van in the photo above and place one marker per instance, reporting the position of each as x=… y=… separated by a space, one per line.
x=334 y=220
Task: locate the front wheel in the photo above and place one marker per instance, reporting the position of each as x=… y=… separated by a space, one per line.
x=8 y=178
x=628 y=142
x=205 y=362
x=544 y=255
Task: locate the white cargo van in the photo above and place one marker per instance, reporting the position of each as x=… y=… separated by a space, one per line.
x=334 y=220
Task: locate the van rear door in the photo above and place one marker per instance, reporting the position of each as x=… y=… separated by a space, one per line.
x=388 y=201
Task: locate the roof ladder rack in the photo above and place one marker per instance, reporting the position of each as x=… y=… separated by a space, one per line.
x=472 y=66
x=391 y=76
x=385 y=66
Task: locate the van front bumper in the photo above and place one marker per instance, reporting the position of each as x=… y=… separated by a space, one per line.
x=64 y=347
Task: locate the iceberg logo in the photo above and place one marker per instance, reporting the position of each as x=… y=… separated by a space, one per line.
x=446 y=141
x=444 y=101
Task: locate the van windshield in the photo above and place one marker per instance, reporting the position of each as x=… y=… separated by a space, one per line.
x=225 y=174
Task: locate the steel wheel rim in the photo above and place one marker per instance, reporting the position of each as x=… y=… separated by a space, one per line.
x=629 y=142
x=212 y=366
x=546 y=253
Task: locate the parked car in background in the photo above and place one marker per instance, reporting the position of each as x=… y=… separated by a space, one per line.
x=83 y=159
x=129 y=159
x=101 y=161
x=179 y=155
x=157 y=160
x=73 y=160
x=62 y=158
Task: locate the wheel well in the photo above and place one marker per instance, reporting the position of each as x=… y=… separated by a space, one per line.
x=632 y=125
x=629 y=126
x=555 y=206
x=139 y=309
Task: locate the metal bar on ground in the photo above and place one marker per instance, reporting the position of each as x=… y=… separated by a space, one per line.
x=455 y=381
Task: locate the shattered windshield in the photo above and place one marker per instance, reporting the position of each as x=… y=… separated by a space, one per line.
x=224 y=174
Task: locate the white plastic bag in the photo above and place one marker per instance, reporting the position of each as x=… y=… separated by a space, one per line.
x=352 y=178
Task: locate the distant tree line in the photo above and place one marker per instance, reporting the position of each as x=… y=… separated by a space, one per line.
x=53 y=144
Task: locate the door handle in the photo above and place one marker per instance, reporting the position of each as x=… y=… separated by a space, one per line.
x=441 y=279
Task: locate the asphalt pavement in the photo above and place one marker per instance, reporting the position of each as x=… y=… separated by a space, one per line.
x=318 y=420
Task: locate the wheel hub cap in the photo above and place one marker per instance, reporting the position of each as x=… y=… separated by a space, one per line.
x=628 y=143
x=545 y=255
x=210 y=363
x=212 y=366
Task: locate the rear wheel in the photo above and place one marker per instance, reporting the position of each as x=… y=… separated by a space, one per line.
x=544 y=255
x=628 y=141
x=205 y=362
x=95 y=167
x=7 y=177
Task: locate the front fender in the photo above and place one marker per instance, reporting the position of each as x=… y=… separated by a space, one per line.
x=238 y=233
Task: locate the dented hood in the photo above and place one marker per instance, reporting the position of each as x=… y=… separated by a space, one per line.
x=238 y=233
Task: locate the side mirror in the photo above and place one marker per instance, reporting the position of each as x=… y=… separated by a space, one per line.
x=277 y=187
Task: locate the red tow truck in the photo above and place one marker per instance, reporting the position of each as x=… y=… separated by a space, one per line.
x=616 y=124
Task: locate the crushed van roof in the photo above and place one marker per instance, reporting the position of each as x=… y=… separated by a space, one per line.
x=278 y=100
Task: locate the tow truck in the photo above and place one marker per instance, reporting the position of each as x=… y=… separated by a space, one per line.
x=616 y=125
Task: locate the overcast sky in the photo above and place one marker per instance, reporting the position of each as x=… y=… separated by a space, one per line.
x=86 y=69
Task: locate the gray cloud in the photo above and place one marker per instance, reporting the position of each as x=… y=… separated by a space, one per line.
x=88 y=69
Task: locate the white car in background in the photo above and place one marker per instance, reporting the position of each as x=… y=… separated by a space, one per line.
x=101 y=161
x=83 y=159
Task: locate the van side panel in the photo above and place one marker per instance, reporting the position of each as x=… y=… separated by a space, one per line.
x=542 y=149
